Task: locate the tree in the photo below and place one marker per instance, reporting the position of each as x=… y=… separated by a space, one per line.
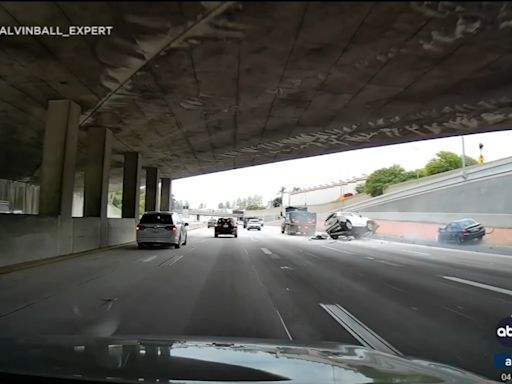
x=360 y=188
x=117 y=199
x=277 y=202
x=380 y=179
x=254 y=207
x=446 y=161
x=227 y=205
x=202 y=206
x=221 y=205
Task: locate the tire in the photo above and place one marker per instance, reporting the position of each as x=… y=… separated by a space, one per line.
x=216 y=235
x=334 y=237
x=186 y=238
x=259 y=229
x=348 y=224
x=459 y=240
x=141 y=245
x=178 y=245
x=236 y=234
x=282 y=230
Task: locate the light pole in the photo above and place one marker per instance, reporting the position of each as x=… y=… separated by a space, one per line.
x=463 y=158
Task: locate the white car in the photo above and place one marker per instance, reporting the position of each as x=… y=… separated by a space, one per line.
x=261 y=222
x=164 y=228
x=349 y=224
x=254 y=224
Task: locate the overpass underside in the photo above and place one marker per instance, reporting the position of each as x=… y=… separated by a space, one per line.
x=188 y=88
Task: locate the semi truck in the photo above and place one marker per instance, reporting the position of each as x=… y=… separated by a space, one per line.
x=297 y=220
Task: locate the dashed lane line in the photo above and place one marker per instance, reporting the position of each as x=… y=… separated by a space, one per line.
x=479 y=285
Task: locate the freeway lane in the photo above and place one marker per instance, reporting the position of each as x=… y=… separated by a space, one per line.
x=426 y=302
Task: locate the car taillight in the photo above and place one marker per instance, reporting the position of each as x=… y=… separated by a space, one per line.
x=170 y=228
x=140 y=227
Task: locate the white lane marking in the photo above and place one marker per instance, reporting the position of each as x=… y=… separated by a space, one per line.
x=358 y=330
x=388 y=263
x=284 y=325
x=148 y=259
x=370 y=258
x=285 y=267
x=171 y=261
x=253 y=239
x=246 y=252
x=174 y=261
x=415 y=252
x=479 y=285
x=395 y=288
x=266 y=251
x=337 y=250
x=459 y=313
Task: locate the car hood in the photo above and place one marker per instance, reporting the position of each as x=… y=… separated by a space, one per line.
x=157 y=360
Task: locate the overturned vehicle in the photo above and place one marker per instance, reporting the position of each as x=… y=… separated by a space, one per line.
x=349 y=224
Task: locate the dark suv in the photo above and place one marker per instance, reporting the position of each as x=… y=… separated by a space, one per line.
x=226 y=226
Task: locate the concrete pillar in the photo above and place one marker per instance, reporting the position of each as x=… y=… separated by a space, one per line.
x=152 y=189
x=97 y=172
x=165 y=195
x=59 y=157
x=131 y=185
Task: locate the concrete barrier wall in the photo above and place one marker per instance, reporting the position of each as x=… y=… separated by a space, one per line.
x=490 y=195
x=86 y=233
x=487 y=219
x=120 y=231
x=27 y=237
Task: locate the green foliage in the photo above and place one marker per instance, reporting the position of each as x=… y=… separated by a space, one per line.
x=254 y=207
x=446 y=161
x=380 y=179
x=117 y=200
x=360 y=188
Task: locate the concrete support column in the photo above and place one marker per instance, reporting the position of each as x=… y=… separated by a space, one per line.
x=97 y=172
x=165 y=195
x=152 y=189
x=131 y=185
x=59 y=157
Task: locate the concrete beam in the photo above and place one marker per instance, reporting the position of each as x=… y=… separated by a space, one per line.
x=97 y=172
x=152 y=189
x=165 y=195
x=131 y=185
x=59 y=157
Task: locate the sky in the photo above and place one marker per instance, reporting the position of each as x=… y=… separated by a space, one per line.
x=267 y=179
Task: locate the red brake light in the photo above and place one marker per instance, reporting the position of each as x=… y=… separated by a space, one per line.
x=140 y=227
x=170 y=228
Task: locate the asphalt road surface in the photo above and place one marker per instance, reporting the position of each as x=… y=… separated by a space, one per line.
x=419 y=301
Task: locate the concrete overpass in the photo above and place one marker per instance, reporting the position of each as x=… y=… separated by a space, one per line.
x=184 y=89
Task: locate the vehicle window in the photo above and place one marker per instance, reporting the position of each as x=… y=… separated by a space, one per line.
x=156 y=218
x=467 y=223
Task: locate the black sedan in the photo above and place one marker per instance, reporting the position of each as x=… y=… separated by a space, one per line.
x=461 y=231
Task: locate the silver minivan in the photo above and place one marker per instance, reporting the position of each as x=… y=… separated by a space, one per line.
x=161 y=227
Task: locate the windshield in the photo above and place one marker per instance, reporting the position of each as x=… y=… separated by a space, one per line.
x=291 y=173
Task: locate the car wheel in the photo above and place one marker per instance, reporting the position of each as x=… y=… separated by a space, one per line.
x=334 y=237
x=216 y=235
x=348 y=224
x=459 y=239
x=178 y=244
x=259 y=229
x=236 y=234
x=141 y=245
x=186 y=238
